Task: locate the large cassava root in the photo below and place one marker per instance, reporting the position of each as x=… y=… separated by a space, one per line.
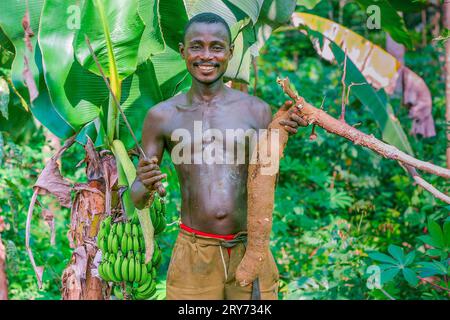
x=260 y=198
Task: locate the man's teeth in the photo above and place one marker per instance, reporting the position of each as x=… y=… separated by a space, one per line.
x=206 y=68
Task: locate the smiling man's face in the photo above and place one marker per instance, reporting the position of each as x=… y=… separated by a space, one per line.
x=206 y=50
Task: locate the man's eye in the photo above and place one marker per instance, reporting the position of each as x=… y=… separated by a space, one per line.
x=217 y=48
x=195 y=47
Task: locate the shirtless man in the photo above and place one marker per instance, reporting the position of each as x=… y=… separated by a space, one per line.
x=211 y=241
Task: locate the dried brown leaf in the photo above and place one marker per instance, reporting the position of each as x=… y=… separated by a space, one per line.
x=51 y=181
x=37 y=270
x=26 y=25
x=29 y=80
x=417 y=97
x=49 y=218
x=93 y=164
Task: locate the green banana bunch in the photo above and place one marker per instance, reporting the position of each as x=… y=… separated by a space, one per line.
x=158 y=215
x=122 y=246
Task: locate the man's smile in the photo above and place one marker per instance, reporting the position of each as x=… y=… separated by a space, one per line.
x=206 y=67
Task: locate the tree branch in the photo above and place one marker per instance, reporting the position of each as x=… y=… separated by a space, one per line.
x=318 y=117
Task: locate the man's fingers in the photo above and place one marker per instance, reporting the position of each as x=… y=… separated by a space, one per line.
x=287 y=105
x=149 y=182
x=143 y=162
x=299 y=120
x=161 y=190
x=147 y=168
x=150 y=174
x=289 y=123
x=290 y=129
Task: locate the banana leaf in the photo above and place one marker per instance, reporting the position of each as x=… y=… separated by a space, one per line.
x=378 y=66
x=391 y=21
x=171 y=72
x=110 y=21
x=41 y=107
x=152 y=40
x=76 y=93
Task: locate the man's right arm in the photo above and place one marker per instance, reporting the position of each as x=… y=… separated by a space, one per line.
x=149 y=176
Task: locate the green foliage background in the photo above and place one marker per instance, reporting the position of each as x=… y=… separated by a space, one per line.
x=335 y=202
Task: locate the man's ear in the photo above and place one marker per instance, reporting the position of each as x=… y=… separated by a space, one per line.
x=181 y=49
x=231 y=50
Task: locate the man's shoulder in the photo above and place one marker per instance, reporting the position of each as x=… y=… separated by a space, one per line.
x=249 y=100
x=166 y=107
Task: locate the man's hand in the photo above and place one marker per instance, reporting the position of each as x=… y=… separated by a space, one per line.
x=150 y=174
x=294 y=121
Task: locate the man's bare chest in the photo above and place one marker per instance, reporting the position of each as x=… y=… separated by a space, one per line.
x=221 y=133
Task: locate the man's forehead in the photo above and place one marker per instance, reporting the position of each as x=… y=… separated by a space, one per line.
x=199 y=30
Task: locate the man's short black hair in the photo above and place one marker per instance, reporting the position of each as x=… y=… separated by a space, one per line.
x=207 y=17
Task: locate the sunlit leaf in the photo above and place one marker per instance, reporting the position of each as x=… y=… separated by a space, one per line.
x=125 y=27
x=410 y=276
x=388 y=275
x=397 y=253
x=378 y=256
x=436 y=233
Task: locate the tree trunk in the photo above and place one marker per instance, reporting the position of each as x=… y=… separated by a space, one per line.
x=446 y=23
x=424 y=28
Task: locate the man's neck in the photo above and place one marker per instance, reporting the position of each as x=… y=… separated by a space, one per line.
x=204 y=93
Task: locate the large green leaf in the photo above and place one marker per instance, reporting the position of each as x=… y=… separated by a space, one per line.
x=409 y=5
x=139 y=93
x=123 y=26
x=309 y=4
x=397 y=253
x=391 y=21
x=375 y=102
x=42 y=107
x=5 y=42
x=251 y=8
x=378 y=256
x=276 y=12
x=171 y=72
x=239 y=66
x=410 y=276
x=446 y=230
x=173 y=17
x=436 y=233
x=76 y=93
x=152 y=40
x=10 y=23
x=20 y=123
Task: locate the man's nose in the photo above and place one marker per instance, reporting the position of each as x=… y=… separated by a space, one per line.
x=206 y=54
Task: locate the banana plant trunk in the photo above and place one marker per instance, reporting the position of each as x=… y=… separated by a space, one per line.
x=80 y=280
x=446 y=23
